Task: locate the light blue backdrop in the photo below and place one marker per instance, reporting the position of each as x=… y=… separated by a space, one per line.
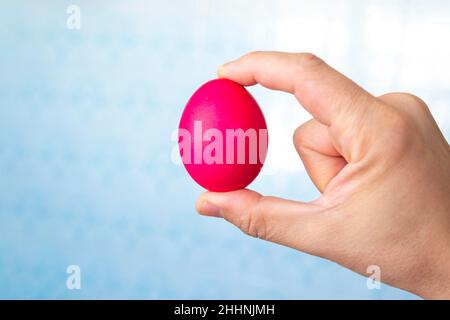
x=86 y=117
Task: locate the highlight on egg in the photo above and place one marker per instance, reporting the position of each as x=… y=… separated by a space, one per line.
x=222 y=136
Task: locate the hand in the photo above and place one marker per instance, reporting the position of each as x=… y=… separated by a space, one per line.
x=383 y=168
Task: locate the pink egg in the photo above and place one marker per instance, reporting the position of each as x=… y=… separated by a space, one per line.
x=222 y=136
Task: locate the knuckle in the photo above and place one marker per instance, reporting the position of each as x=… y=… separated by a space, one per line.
x=409 y=102
x=301 y=136
x=298 y=135
x=414 y=105
x=308 y=60
x=254 y=222
x=417 y=104
x=414 y=99
x=401 y=133
x=398 y=120
x=251 y=55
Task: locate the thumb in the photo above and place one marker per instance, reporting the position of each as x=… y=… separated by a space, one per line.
x=294 y=224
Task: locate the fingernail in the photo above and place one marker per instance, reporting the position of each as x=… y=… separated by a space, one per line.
x=209 y=209
x=221 y=71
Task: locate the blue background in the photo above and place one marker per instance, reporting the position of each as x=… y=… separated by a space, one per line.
x=88 y=174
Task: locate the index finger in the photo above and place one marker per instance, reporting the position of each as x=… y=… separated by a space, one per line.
x=324 y=92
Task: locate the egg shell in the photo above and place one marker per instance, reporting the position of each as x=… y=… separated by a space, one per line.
x=223 y=104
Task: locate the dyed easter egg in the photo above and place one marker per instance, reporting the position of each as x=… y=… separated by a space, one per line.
x=222 y=136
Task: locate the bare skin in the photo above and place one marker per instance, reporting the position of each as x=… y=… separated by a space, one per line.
x=381 y=164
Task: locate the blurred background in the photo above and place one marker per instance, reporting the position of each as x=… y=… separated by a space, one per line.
x=88 y=172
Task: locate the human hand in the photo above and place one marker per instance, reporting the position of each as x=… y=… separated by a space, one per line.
x=383 y=168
